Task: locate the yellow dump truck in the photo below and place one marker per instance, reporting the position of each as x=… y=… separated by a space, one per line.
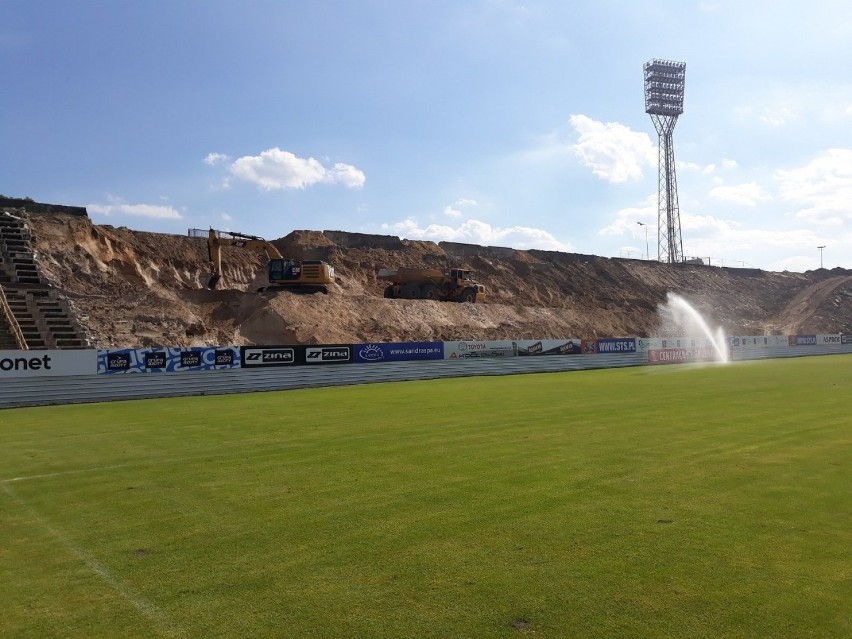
x=453 y=285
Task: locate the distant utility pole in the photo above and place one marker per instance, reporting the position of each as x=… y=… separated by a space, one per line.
x=647 y=251
x=664 y=86
x=820 y=254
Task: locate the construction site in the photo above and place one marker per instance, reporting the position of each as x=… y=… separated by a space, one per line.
x=70 y=283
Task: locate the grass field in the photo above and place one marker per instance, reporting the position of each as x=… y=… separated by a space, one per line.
x=666 y=502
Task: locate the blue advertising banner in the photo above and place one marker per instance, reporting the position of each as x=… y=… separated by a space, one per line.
x=167 y=360
x=803 y=340
x=616 y=345
x=399 y=352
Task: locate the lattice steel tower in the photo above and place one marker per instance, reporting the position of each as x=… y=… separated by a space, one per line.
x=664 y=83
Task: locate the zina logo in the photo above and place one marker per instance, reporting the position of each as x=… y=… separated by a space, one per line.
x=268 y=356
x=327 y=354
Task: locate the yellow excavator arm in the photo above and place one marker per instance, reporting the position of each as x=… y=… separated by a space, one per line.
x=308 y=276
x=217 y=239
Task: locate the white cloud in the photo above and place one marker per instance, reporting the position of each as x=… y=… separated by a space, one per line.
x=738 y=243
x=823 y=188
x=707 y=169
x=630 y=221
x=549 y=149
x=692 y=166
x=276 y=169
x=747 y=194
x=689 y=222
x=213 y=159
x=703 y=235
x=778 y=116
x=455 y=209
x=226 y=217
x=613 y=152
x=473 y=231
x=117 y=207
x=347 y=175
x=774 y=116
x=224 y=185
x=626 y=219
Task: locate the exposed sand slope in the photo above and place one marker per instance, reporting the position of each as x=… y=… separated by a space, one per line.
x=132 y=288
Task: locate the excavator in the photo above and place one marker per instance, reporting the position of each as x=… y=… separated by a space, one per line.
x=306 y=276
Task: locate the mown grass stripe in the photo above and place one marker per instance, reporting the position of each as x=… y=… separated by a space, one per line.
x=695 y=502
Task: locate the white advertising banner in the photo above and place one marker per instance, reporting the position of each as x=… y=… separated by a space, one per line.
x=760 y=341
x=480 y=349
x=48 y=363
x=659 y=343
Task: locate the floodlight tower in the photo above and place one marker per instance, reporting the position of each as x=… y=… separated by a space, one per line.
x=664 y=82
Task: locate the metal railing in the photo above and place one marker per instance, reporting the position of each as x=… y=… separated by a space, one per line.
x=630 y=254
x=6 y=311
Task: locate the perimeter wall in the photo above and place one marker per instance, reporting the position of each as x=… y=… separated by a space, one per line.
x=30 y=378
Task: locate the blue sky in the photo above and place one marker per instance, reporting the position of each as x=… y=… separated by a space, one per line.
x=494 y=122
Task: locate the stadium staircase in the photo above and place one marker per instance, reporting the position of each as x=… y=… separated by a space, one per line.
x=31 y=310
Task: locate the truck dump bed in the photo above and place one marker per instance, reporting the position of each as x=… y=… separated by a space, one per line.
x=405 y=275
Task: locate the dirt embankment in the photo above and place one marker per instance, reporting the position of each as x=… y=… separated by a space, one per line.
x=132 y=288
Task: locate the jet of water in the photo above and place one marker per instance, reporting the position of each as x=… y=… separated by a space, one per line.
x=683 y=316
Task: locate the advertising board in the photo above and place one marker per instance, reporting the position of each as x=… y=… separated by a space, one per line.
x=44 y=363
x=480 y=349
x=166 y=360
x=683 y=355
x=802 y=340
x=657 y=343
x=571 y=346
x=398 y=352
x=617 y=345
x=295 y=355
x=759 y=341
x=325 y=354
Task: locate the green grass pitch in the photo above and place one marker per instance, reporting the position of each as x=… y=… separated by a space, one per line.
x=645 y=502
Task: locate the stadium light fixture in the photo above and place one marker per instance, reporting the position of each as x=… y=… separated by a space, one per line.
x=664 y=88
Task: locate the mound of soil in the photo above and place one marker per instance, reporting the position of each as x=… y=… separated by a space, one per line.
x=134 y=289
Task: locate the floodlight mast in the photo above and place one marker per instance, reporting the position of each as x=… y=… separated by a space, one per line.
x=664 y=85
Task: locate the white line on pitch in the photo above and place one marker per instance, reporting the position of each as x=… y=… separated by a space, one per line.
x=63 y=472
x=149 y=610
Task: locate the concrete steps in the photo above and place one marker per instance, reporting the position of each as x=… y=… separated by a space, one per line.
x=46 y=319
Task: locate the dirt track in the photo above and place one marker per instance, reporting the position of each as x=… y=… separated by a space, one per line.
x=142 y=289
